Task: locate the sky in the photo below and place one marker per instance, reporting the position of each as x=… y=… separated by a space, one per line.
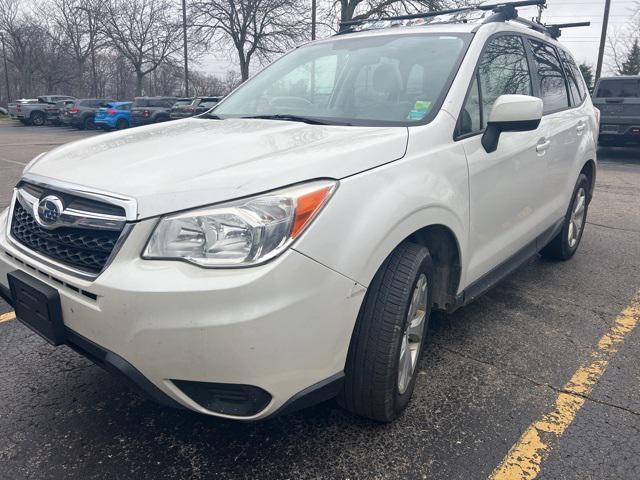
x=583 y=42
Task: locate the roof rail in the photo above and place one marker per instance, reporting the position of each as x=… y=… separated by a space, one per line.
x=506 y=11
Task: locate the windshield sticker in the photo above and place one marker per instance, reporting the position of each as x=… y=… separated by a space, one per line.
x=419 y=110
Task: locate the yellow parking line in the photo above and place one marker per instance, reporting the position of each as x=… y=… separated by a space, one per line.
x=5 y=317
x=525 y=458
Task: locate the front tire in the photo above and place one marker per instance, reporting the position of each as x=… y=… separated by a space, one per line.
x=382 y=363
x=565 y=244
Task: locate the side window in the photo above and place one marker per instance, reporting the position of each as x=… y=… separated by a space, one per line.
x=553 y=88
x=471 y=117
x=574 y=81
x=503 y=70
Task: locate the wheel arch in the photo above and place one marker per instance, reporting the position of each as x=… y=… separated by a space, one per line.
x=444 y=249
x=589 y=169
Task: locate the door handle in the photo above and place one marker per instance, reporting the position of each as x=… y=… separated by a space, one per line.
x=543 y=145
x=580 y=127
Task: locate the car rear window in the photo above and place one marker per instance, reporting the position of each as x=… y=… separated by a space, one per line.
x=618 y=88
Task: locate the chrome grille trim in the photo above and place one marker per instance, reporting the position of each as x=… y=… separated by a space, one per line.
x=129 y=206
x=70 y=217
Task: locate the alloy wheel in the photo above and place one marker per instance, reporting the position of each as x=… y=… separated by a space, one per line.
x=413 y=334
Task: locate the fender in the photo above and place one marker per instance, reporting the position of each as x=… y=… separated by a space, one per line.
x=427 y=187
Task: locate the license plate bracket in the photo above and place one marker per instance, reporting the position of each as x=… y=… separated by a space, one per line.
x=37 y=305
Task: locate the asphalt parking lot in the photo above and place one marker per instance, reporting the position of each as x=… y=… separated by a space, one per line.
x=541 y=376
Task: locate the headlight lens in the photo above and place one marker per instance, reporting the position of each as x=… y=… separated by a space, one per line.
x=240 y=233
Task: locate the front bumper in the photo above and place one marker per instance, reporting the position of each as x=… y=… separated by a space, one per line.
x=282 y=327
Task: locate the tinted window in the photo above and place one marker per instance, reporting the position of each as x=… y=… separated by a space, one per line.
x=140 y=102
x=553 y=88
x=618 y=88
x=503 y=70
x=573 y=80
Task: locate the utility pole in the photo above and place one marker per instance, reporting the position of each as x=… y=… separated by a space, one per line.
x=540 y=10
x=313 y=19
x=603 y=38
x=6 y=69
x=186 y=60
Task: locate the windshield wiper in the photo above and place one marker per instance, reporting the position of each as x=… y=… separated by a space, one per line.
x=295 y=118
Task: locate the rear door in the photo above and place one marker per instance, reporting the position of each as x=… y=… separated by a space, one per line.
x=562 y=128
x=505 y=185
x=619 y=102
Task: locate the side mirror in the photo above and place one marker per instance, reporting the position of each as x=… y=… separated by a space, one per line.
x=511 y=113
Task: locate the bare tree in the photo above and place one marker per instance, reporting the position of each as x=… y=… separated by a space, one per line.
x=77 y=23
x=363 y=9
x=145 y=32
x=255 y=28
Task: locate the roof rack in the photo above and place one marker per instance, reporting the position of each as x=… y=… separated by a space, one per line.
x=505 y=8
x=502 y=12
x=555 y=29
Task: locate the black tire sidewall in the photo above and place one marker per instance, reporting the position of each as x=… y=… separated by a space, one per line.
x=121 y=124
x=401 y=400
x=567 y=250
x=37 y=119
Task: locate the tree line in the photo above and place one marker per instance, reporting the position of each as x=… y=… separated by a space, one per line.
x=126 y=48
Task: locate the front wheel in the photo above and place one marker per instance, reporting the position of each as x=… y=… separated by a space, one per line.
x=565 y=244
x=387 y=341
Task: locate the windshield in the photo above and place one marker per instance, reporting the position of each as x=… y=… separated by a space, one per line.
x=382 y=79
x=619 y=88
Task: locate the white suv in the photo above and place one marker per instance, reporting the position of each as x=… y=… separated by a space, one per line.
x=289 y=246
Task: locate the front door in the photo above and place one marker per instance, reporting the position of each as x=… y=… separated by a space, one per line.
x=505 y=185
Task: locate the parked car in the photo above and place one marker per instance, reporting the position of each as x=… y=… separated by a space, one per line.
x=618 y=99
x=146 y=110
x=114 y=116
x=290 y=245
x=38 y=113
x=63 y=106
x=197 y=106
x=82 y=114
x=12 y=107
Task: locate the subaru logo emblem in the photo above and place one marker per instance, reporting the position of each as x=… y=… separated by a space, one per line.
x=48 y=211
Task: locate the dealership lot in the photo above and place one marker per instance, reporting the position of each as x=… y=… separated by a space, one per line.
x=490 y=372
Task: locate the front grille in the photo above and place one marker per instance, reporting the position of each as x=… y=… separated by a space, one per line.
x=83 y=249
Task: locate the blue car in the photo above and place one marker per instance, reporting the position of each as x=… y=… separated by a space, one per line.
x=114 y=115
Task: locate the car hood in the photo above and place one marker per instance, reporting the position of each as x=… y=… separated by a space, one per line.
x=189 y=163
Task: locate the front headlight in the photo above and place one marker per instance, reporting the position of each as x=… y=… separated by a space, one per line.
x=239 y=233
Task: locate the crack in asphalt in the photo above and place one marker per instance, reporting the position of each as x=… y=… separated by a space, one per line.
x=536 y=382
x=614 y=228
